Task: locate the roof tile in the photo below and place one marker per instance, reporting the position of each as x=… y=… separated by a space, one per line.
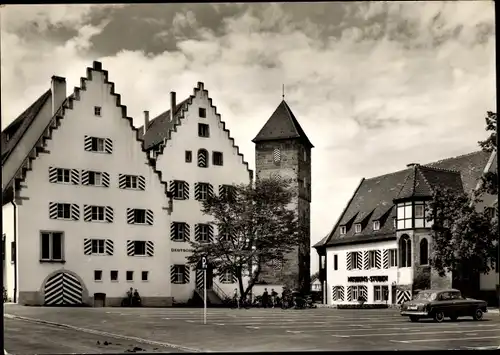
x=16 y=129
x=377 y=194
x=282 y=125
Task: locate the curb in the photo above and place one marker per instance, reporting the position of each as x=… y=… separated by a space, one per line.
x=98 y=332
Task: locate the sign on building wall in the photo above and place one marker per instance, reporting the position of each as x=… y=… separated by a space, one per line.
x=366 y=278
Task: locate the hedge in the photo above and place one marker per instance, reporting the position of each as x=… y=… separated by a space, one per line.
x=363 y=306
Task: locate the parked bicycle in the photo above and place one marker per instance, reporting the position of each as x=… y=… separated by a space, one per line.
x=235 y=303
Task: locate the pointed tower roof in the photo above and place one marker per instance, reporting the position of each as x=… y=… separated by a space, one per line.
x=282 y=125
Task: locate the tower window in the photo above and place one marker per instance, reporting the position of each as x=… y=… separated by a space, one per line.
x=277 y=155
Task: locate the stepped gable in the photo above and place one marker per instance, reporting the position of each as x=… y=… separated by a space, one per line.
x=282 y=125
x=168 y=128
x=160 y=126
x=68 y=105
x=461 y=173
x=13 y=133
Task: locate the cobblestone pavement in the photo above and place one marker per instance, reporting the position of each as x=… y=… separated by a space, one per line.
x=182 y=329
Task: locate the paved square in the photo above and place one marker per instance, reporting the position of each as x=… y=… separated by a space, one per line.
x=182 y=329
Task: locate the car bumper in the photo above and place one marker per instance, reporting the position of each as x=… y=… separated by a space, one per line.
x=414 y=313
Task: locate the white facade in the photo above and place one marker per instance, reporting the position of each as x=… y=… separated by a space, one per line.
x=8 y=239
x=173 y=166
x=339 y=288
x=44 y=276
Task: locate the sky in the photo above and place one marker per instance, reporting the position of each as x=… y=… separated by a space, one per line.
x=375 y=85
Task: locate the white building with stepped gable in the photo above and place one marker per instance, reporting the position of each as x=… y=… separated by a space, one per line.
x=195 y=153
x=85 y=215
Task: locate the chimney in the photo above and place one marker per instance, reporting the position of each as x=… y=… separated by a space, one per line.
x=411 y=165
x=58 y=88
x=146 y=121
x=172 y=106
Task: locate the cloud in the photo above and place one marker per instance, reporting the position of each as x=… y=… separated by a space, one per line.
x=375 y=85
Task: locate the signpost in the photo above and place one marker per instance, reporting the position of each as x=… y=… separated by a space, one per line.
x=204 y=267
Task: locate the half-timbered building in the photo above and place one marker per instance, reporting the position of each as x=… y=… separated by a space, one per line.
x=380 y=246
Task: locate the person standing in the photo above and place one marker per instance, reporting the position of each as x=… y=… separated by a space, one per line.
x=265 y=298
x=236 y=298
x=273 y=297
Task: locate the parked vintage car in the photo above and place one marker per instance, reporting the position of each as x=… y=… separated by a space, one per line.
x=438 y=304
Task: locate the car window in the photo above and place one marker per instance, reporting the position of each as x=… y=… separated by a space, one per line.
x=444 y=296
x=455 y=295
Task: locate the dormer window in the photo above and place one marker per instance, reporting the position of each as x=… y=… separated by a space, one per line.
x=376 y=225
x=343 y=230
x=357 y=228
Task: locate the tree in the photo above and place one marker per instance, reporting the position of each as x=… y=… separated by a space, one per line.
x=254 y=226
x=490 y=179
x=465 y=238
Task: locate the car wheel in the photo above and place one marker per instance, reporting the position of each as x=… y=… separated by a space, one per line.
x=453 y=318
x=438 y=316
x=414 y=318
x=478 y=314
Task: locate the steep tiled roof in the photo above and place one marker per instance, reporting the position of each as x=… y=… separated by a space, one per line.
x=424 y=179
x=282 y=125
x=377 y=194
x=160 y=126
x=16 y=129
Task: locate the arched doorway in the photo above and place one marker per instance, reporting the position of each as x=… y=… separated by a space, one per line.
x=63 y=289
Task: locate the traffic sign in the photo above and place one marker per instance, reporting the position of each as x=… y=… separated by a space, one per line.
x=204 y=262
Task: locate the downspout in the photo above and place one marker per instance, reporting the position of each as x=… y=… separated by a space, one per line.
x=16 y=248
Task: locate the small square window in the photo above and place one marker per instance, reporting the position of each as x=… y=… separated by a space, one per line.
x=342 y=230
x=97 y=110
x=145 y=275
x=188 y=156
x=203 y=130
x=202 y=112
x=113 y=275
x=130 y=276
x=97 y=275
x=217 y=158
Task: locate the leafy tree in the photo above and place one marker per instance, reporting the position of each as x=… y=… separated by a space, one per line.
x=465 y=238
x=490 y=179
x=254 y=226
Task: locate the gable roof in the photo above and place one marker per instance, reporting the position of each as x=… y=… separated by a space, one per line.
x=13 y=133
x=60 y=115
x=159 y=132
x=282 y=125
x=424 y=179
x=160 y=126
x=378 y=194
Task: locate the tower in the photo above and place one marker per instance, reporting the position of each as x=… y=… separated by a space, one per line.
x=282 y=147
